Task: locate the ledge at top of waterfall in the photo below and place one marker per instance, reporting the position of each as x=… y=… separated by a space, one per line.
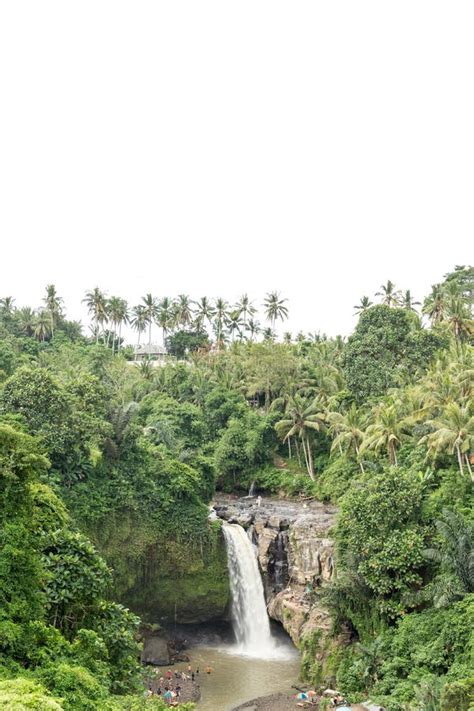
x=249 y=612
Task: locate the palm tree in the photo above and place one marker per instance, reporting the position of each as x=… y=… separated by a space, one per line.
x=7 y=308
x=389 y=295
x=407 y=302
x=364 y=305
x=268 y=335
x=42 y=326
x=287 y=337
x=275 y=308
x=302 y=418
x=253 y=327
x=165 y=316
x=139 y=320
x=118 y=312
x=183 y=310
x=151 y=311
x=434 y=306
x=204 y=312
x=459 y=318
x=53 y=305
x=347 y=428
x=453 y=433
x=234 y=323
x=26 y=321
x=386 y=432
x=455 y=557
x=246 y=308
x=96 y=303
x=220 y=318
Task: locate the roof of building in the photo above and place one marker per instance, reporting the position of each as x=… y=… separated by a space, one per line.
x=151 y=350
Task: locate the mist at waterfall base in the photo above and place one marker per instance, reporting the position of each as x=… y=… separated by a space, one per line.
x=250 y=620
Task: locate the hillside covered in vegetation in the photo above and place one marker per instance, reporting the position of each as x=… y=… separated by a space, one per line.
x=107 y=468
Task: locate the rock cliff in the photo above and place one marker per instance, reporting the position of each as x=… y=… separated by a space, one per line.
x=295 y=555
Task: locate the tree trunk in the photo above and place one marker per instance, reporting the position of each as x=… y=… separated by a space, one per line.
x=360 y=463
x=289 y=447
x=458 y=452
x=468 y=464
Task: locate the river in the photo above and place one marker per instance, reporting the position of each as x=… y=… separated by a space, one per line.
x=235 y=679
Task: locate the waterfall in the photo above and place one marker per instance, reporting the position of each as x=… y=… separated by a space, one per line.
x=249 y=611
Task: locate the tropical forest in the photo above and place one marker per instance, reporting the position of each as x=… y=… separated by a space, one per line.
x=167 y=463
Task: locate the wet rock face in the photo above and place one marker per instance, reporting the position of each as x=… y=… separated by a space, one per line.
x=295 y=555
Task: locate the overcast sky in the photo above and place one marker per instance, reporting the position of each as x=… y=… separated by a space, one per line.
x=316 y=148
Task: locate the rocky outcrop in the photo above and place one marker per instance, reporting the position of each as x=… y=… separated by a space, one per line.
x=295 y=555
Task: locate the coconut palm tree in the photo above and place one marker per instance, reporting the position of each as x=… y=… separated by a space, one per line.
x=53 y=304
x=287 y=337
x=390 y=296
x=234 y=323
x=26 y=321
x=434 y=306
x=453 y=433
x=253 y=327
x=275 y=308
x=7 y=309
x=96 y=303
x=165 y=316
x=459 y=318
x=302 y=419
x=204 y=312
x=268 y=334
x=151 y=310
x=42 y=326
x=363 y=306
x=221 y=313
x=246 y=308
x=118 y=312
x=139 y=320
x=348 y=432
x=183 y=310
x=385 y=432
x=407 y=302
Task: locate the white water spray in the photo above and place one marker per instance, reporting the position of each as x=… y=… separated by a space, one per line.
x=249 y=611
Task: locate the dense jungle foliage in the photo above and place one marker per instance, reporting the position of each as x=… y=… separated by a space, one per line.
x=107 y=467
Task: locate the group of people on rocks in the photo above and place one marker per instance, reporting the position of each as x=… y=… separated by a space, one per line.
x=168 y=686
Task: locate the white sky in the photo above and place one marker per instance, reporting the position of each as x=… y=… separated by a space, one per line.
x=317 y=148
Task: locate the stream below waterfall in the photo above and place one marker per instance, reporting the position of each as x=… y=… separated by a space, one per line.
x=236 y=678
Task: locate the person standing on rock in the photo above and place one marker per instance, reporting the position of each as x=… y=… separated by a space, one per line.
x=259 y=500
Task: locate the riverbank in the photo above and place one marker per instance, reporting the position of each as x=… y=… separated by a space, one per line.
x=282 y=702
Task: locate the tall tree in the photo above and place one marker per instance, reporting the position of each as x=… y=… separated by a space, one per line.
x=204 y=312
x=96 y=303
x=42 y=326
x=221 y=313
x=118 y=312
x=151 y=310
x=53 y=304
x=246 y=308
x=365 y=303
x=275 y=308
x=139 y=320
x=235 y=323
x=184 y=310
x=302 y=419
x=347 y=428
x=434 y=306
x=407 y=301
x=453 y=433
x=390 y=295
x=165 y=316
x=386 y=431
x=26 y=321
